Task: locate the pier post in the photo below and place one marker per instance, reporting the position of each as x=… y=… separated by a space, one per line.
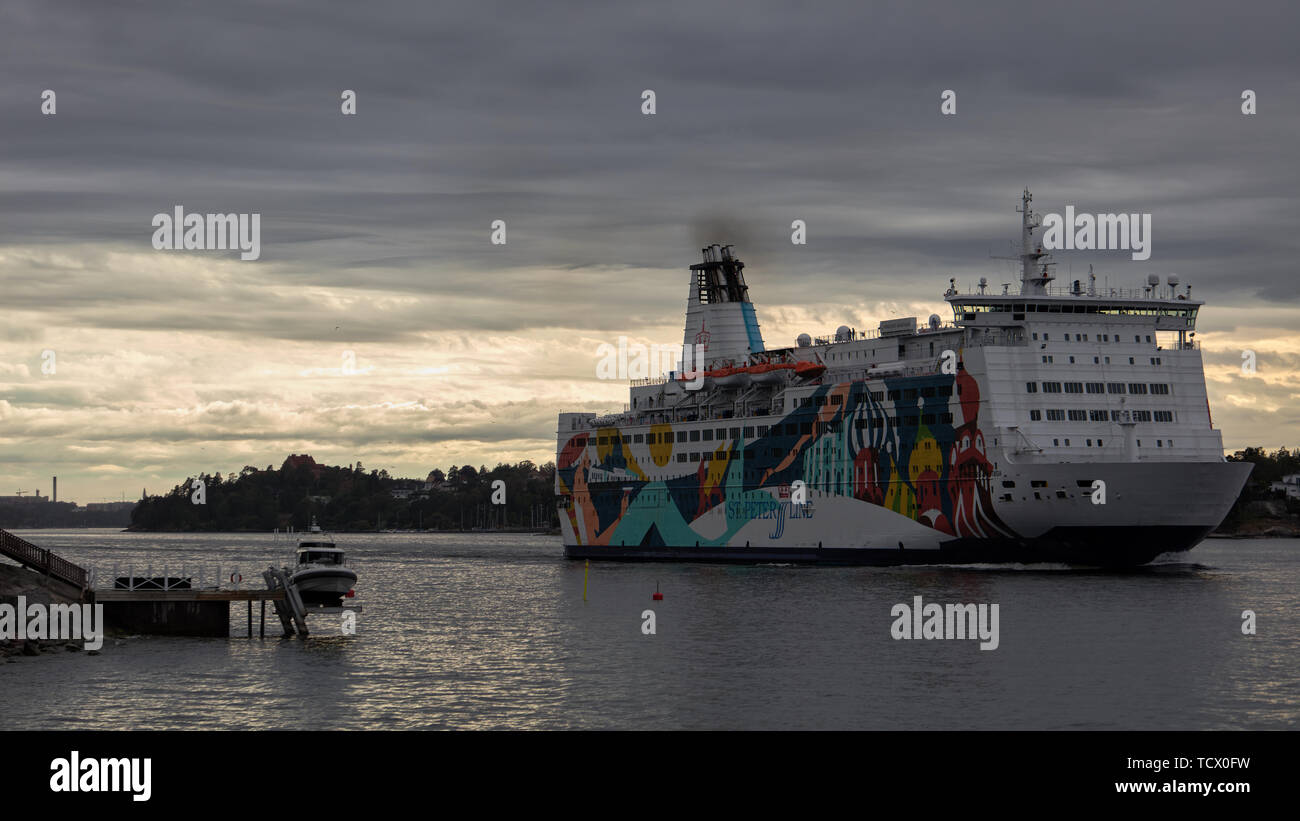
x=262 y=624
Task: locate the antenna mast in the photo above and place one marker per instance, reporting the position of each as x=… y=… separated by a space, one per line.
x=1033 y=274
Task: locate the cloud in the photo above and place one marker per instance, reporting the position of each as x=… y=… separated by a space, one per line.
x=375 y=228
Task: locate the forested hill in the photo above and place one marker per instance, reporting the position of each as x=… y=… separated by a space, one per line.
x=350 y=498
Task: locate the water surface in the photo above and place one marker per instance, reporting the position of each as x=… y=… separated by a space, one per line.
x=491 y=631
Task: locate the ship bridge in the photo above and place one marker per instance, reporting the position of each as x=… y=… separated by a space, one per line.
x=1155 y=308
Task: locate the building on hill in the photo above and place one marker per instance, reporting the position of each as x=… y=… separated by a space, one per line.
x=1289 y=486
x=110 y=507
x=408 y=489
x=294 y=461
x=35 y=499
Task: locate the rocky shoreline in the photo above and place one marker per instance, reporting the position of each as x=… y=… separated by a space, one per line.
x=18 y=581
x=1262 y=519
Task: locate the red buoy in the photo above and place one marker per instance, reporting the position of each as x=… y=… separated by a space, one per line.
x=657 y=595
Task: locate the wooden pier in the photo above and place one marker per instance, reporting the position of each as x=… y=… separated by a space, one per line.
x=170 y=604
x=104 y=596
x=180 y=612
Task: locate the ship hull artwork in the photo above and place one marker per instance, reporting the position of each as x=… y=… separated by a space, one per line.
x=1037 y=427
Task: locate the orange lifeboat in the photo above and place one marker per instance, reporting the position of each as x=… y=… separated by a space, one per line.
x=770 y=374
x=809 y=370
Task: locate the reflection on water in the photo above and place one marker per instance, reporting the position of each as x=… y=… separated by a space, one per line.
x=490 y=631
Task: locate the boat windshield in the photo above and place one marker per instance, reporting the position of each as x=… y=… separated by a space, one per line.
x=320 y=557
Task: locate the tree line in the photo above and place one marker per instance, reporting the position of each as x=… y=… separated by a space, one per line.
x=348 y=498
x=1269 y=468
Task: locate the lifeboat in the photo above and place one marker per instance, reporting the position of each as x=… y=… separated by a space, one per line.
x=690 y=381
x=731 y=377
x=771 y=374
x=809 y=370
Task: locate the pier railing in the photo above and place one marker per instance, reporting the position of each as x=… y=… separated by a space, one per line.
x=42 y=560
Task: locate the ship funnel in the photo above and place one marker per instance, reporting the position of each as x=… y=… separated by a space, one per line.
x=720 y=318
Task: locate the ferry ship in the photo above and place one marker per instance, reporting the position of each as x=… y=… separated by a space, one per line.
x=1049 y=425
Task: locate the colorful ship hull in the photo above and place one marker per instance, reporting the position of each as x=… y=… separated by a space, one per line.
x=924 y=459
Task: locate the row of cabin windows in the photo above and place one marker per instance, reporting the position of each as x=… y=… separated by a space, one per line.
x=1160 y=443
x=777 y=453
x=879 y=396
x=1048 y=359
x=667 y=437
x=905 y=421
x=1078 y=308
x=805 y=428
x=1100 y=338
x=1081 y=415
x=1140 y=388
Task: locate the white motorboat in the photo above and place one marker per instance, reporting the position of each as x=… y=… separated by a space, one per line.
x=319 y=574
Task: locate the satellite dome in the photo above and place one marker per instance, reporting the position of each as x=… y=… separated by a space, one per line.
x=1173 y=280
x=843 y=334
x=935 y=322
x=1153 y=280
x=804 y=340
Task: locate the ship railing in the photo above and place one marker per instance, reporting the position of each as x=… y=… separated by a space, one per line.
x=672 y=416
x=854 y=334
x=200 y=576
x=41 y=560
x=1160 y=293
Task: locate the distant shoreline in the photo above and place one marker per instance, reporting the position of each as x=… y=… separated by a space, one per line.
x=537 y=531
x=1271 y=531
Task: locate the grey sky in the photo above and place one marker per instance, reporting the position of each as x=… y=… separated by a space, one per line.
x=375 y=227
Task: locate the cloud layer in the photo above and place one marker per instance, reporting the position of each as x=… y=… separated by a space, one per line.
x=375 y=227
